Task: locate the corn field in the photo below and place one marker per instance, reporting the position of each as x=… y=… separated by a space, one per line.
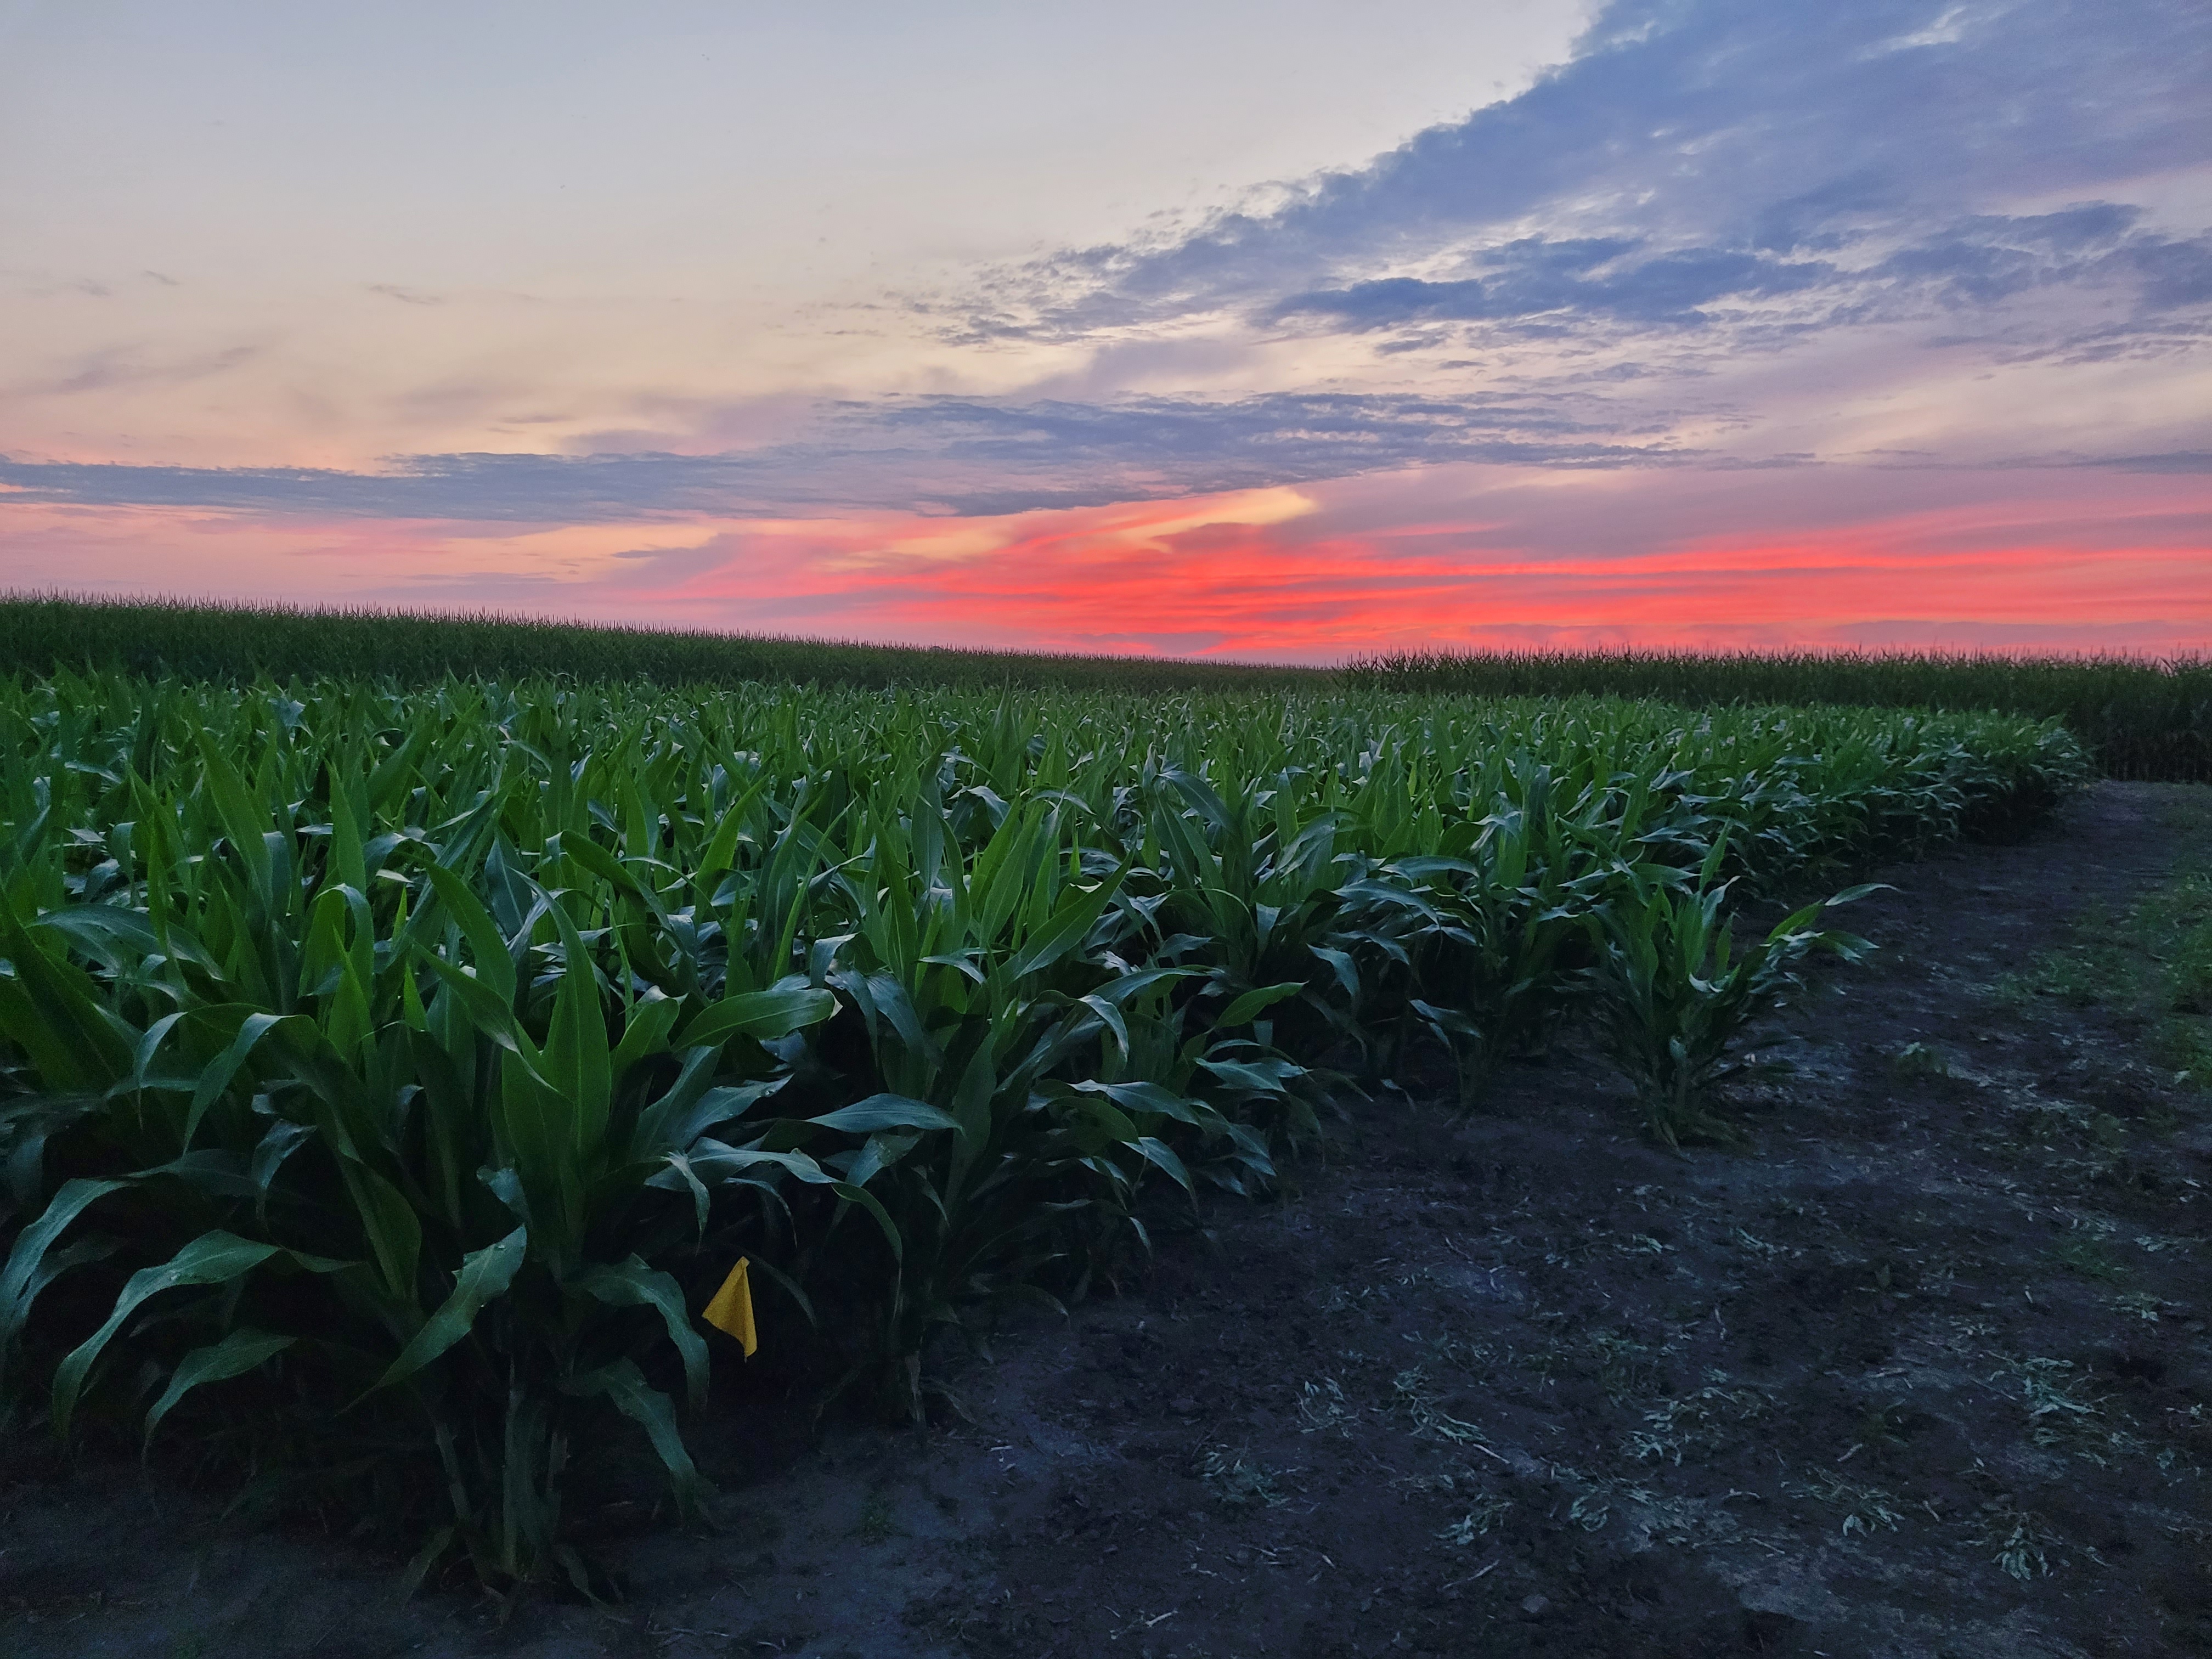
x=386 y=1079
x=2139 y=717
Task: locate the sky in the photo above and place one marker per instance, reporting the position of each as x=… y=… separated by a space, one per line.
x=1288 y=332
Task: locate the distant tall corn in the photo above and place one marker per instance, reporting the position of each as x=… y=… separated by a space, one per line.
x=2139 y=716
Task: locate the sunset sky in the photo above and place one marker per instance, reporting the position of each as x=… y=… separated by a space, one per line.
x=1279 y=330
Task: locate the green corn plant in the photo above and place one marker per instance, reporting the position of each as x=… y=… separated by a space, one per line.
x=988 y=1153
x=1494 y=949
x=383 y=1073
x=1674 y=996
x=1249 y=883
x=405 y=1199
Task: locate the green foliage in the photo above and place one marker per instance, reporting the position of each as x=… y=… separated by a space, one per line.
x=2154 y=959
x=386 y=1076
x=211 y=641
x=1676 y=995
x=2089 y=1258
x=392 y=1157
x=2141 y=717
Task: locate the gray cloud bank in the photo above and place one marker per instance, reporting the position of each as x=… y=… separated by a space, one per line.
x=945 y=454
x=1703 y=163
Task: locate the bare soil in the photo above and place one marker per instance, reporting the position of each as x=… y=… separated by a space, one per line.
x=1923 y=1371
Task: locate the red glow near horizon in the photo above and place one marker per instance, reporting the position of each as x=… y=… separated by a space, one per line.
x=2033 y=561
x=1102 y=581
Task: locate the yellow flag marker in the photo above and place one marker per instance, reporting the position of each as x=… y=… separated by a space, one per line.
x=732 y=1310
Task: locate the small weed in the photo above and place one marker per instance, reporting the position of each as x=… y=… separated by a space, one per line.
x=2187 y=912
x=875 y=1525
x=2190 y=1423
x=1798 y=1209
x=1239 y=1484
x=2036 y=1118
x=1885 y=1279
x=1702 y=1422
x=1341 y=1300
x=2089 y=1258
x=1573 y=1251
x=1625 y=1366
x=2179 y=923
x=2018 y=1539
x=1880 y=1425
x=2081 y=978
x=2064 y=1415
x=1967 y=1336
x=1918 y=1060
x=1460 y=1480
x=1865 y=1508
x=1688 y=1523
x=1481 y=1362
x=1760 y=1247
x=1660 y=1518
x=2157 y=957
x=1477 y=1523
x=1591 y=1512
x=2052 y=1393
x=1322 y=1409
x=1416 y=1398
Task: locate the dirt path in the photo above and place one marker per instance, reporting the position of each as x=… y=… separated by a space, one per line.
x=1924 y=1374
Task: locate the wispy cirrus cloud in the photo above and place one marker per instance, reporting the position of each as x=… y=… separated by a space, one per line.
x=132 y=366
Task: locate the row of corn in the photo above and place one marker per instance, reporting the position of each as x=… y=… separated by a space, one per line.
x=386 y=1081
